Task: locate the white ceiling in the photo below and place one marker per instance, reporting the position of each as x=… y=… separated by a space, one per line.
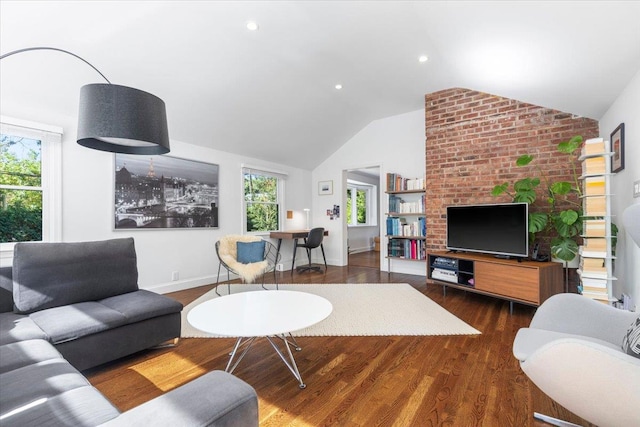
x=270 y=93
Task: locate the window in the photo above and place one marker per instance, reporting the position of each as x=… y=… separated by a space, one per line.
x=361 y=203
x=29 y=182
x=263 y=195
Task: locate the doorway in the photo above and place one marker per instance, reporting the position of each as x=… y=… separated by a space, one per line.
x=362 y=216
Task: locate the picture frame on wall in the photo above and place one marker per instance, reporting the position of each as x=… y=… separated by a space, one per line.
x=164 y=192
x=617 y=147
x=325 y=188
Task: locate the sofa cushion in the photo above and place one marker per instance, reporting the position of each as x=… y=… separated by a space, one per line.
x=77 y=320
x=49 y=275
x=17 y=327
x=23 y=353
x=142 y=305
x=82 y=406
x=39 y=380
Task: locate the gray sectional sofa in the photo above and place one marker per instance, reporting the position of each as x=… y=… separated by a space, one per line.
x=65 y=307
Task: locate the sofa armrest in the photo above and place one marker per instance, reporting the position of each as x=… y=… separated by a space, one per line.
x=214 y=399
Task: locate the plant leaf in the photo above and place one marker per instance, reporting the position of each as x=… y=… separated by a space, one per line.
x=537 y=221
x=525 y=196
x=569 y=216
x=499 y=189
x=561 y=187
x=564 y=248
x=524 y=160
x=568 y=147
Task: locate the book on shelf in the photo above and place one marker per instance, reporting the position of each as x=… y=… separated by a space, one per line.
x=594 y=186
x=593 y=146
x=395 y=182
x=594 y=166
x=595 y=244
x=399 y=205
x=594 y=228
x=593 y=274
x=592 y=282
x=407 y=249
x=595 y=206
x=397 y=226
x=592 y=253
x=592 y=264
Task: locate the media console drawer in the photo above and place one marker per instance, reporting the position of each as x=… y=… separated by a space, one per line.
x=510 y=281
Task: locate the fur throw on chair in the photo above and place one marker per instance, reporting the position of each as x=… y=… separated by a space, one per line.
x=228 y=254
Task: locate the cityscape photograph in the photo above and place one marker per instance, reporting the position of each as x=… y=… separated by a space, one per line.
x=164 y=192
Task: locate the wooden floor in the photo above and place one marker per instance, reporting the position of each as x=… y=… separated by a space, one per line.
x=365 y=259
x=362 y=381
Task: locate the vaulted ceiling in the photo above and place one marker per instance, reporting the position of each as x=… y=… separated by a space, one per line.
x=271 y=93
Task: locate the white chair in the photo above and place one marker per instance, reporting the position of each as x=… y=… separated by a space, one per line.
x=572 y=351
x=227 y=256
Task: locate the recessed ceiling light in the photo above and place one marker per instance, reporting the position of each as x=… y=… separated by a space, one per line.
x=423 y=58
x=252 y=26
x=338 y=86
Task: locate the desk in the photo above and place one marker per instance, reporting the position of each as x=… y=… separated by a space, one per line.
x=290 y=235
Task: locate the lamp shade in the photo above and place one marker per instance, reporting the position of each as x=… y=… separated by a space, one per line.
x=121 y=119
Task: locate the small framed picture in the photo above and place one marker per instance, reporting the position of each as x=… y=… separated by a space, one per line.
x=325 y=188
x=617 y=147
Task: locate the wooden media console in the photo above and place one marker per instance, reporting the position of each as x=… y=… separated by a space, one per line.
x=526 y=282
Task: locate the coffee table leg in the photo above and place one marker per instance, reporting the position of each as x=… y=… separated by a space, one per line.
x=291 y=363
x=235 y=350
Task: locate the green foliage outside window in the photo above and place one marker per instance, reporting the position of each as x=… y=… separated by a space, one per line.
x=361 y=206
x=20 y=205
x=261 y=200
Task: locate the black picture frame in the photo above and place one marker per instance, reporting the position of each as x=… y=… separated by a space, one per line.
x=617 y=148
x=164 y=192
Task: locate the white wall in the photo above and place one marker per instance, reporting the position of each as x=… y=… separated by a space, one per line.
x=626 y=109
x=396 y=144
x=87 y=209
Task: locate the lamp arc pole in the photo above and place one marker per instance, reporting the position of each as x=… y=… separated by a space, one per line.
x=114 y=118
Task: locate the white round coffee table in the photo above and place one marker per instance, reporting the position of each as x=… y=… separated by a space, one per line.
x=254 y=314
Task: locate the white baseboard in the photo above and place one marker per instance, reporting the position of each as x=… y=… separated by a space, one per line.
x=359 y=250
x=180 y=285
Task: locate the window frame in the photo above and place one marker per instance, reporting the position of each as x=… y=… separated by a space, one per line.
x=51 y=175
x=280 y=188
x=371 y=191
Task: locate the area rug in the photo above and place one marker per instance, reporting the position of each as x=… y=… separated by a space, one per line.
x=377 y=309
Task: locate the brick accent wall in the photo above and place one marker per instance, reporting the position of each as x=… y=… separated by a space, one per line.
x=472 y=142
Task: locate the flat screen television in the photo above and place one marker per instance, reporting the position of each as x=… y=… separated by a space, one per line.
x=499 y=229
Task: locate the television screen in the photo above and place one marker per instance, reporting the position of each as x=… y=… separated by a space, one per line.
x=500 y=229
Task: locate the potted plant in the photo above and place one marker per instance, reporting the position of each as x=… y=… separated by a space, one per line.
x=562 y=216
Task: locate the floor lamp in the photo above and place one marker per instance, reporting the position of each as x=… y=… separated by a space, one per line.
x=117 y=118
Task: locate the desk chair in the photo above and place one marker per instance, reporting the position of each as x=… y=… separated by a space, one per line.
x=312 y=241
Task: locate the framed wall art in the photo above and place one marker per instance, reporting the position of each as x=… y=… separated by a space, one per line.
x=164 y=192
x=617 y=147
x=325 y=188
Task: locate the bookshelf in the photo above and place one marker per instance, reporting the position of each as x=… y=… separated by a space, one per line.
x=406 y=219
x=596 y=253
